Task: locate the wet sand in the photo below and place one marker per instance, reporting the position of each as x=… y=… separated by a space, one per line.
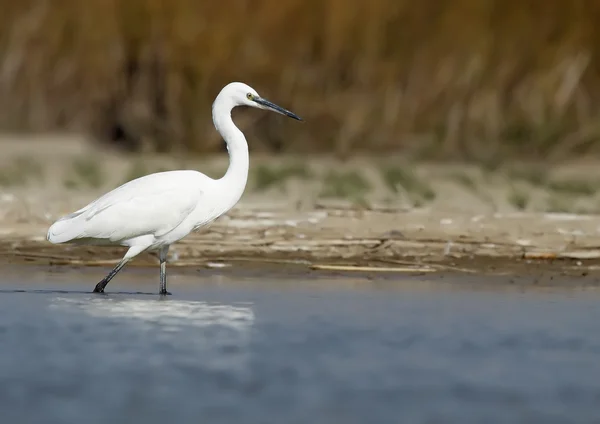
x=542 y=246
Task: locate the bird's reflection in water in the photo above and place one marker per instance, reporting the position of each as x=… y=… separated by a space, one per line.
x=217 y=334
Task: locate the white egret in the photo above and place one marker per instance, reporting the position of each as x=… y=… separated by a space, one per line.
x=154 y=211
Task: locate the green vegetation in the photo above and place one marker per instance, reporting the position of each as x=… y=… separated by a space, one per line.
x=350 y=185
x=403 y=176
x=85 y=172
x=266 y=176
x=574 y=187
x=535 y=175
x=139 y=169
x=519 y=198
x=20 y=172
x=559 y=204
x=465 y=180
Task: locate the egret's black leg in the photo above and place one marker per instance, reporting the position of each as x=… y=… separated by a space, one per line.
x=131 y=253
x=102 y=284
x=162 y=254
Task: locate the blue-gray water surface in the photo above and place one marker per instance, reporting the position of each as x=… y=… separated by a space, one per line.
x=267 y=351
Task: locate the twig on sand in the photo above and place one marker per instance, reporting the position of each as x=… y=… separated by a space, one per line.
x=439 y=267
x=324 y=267
x=222 y=259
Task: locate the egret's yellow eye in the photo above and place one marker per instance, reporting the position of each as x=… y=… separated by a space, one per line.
x=249 y=96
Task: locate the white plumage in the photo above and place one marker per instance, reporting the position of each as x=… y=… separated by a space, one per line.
x=156 y=210
x=154 y=205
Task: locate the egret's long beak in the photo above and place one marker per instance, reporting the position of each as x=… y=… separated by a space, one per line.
x=275 y=108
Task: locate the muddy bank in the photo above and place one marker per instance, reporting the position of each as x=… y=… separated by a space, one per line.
x=417 y=241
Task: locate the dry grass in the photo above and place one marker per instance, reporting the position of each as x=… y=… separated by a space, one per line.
x=462 y=78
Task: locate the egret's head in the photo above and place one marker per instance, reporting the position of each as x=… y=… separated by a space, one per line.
x=244 y=95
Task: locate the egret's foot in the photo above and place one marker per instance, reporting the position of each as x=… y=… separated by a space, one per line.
x=164 y=293
x=99 y=288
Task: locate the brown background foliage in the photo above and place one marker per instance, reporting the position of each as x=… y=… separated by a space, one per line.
x=445 y=78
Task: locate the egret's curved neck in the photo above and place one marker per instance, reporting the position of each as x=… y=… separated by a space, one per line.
x=237 y=173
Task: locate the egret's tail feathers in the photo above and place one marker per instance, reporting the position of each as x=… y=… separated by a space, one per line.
x=65 y=229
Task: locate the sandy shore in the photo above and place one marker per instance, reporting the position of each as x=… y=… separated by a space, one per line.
x=515 y=243
x=456 y=228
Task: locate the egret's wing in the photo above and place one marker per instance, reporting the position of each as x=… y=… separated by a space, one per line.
x=155 y=204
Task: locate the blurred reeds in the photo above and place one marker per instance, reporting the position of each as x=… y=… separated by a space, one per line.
x=455 y=79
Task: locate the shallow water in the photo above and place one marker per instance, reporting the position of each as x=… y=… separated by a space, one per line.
x=266 y=350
